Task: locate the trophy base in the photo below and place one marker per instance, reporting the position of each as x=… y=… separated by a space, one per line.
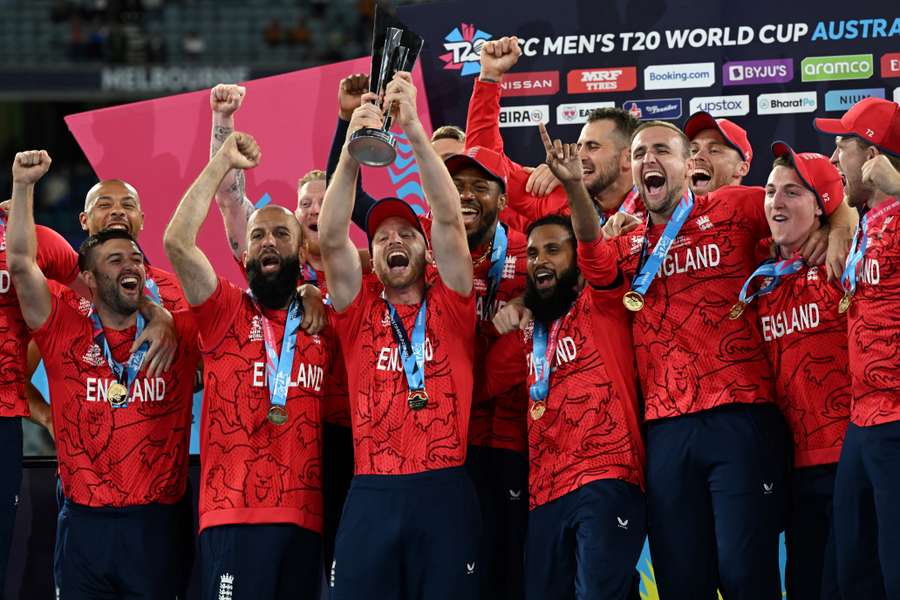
x=372 y=147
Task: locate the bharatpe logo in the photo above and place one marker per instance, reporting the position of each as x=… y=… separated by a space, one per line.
x=577 y=113
x=688 y=75
x=780 y=104
x=463 y=46
x=843 y=99
x=756 y=72
x=721 y=106
x=533 y=83
x=524 y=116
x=837 y=68
x=662 y=108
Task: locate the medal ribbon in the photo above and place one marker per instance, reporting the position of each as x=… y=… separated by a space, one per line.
x=648 y=267
x=498 y=263
x=279 y=366
x=309 y=274
x=860 y=242
x=127 y=373
x=2 y=233
x=542 y=351
x=774 y=269
x=151 y=290
x=412 y=354
x=629 y=204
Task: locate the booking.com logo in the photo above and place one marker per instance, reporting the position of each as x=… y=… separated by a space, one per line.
x=463 y=46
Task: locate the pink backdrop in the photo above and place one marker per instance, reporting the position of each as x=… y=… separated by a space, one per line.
x=161 y=145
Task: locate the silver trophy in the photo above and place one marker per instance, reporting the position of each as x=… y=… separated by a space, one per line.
x=394 y=48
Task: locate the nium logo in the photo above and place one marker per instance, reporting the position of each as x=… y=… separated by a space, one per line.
x=779 y=104
x=536 y=83
x=687 y=75
x=571 y=114
x=721 y=106
x=593 y=81
x=755 y=72
x=524 y=116
x=843 y=99
x=662 y=108
x=836 y=68
x=463 y=46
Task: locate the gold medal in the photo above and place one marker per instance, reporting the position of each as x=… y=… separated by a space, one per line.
x=633 y=301
x=537 y=410
x=117 y=394
x=737 y=310
x=845 y=302
x=417 y=399
x=278 y=414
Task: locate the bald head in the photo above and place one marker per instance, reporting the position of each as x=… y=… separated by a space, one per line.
x=110 y=186
x=273 y=224
x=112 y=204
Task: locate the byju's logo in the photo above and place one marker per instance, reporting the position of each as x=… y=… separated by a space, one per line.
x=524 y=116
x=662 y=108
x=779 y=104
x=463 y=46
x=577 y=112
x=843 y=99
x=721 y=106
x=755 y=72
x=688 y=75
x=837 y=68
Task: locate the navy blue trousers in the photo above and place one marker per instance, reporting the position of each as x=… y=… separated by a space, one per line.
x=408 y=537
x=867 y=512
x=811 y=569
x=585 y=544
x=337 y=473
x=135 y=553
x=278 y=561
x=717 y=501
x=10 y=484
x=501 y=481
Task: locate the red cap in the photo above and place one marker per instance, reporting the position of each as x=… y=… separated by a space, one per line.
x=818 y=175
x=873 y=120
x=735 y=135
x=483 y=158
x=391 y=207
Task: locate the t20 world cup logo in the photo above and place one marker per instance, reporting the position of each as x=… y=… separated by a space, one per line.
x=463 y=46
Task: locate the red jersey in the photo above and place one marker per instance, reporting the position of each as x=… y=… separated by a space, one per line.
x=117 y=456
x=59 y=262
x=590 y=428
x=253 y=471
x=806 y=342
x=690 y=355
x=874 y=325
x=389 y=437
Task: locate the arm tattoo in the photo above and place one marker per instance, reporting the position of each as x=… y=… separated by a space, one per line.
x=220 y=134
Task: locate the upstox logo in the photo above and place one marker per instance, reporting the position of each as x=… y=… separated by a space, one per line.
x=779 y=104
x=722 y=106
x=837 y=68
x=463 y=46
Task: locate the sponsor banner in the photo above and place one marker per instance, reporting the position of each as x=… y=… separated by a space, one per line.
x=722 y=106
x=463 y=49
x=836 y=68
x=757 y=72
x=662 y=108
x=577 y=112
x=595 y=81
x=890 y=65
x=843 y=99
x=524 y=116
x=535 y=83
x=688 y=75
x=791 y=102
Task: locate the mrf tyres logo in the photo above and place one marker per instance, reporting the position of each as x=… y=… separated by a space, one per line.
x=837 y=68
x=463 y=46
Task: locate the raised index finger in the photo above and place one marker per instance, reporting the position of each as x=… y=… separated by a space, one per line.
x=545 y=138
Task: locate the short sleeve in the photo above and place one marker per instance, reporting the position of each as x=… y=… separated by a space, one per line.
x=215 y=317
x=55 y=257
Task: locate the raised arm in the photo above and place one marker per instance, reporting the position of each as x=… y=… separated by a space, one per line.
x=448 y=234
x=225 y=100
x=343 y=269
x=565 y=165
x=21 y=239
x=197 y=276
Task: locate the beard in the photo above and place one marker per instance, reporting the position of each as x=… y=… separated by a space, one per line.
x=548 y=309
x=604 y=177
x=274 y=290
x=108 y=290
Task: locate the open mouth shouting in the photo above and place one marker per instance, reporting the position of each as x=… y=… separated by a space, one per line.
x=119 y=225
x=470 y=212
x=654 y=181
x=397 y=260
x=270 y=262
x=701 y=177
x=544 y=278
x=130 y=285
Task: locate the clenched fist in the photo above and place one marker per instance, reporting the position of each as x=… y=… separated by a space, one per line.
x=498 y=57
x=241 y=151
x=881 y=174
x=350 y=94
x=225 y=99
x=29 y=166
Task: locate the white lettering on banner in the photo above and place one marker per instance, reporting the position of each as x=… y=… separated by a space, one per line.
x=783 y=33
x=5 y=281
x=309 y=377
x=688 y=75
x=871 y=271
x=389 y=357
x=143 y=390
x=693 y=259
x=524 y=116
x=709 y=38
x=160 y=79
x=566 y=45
x=566 y=352
x=785 y=323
